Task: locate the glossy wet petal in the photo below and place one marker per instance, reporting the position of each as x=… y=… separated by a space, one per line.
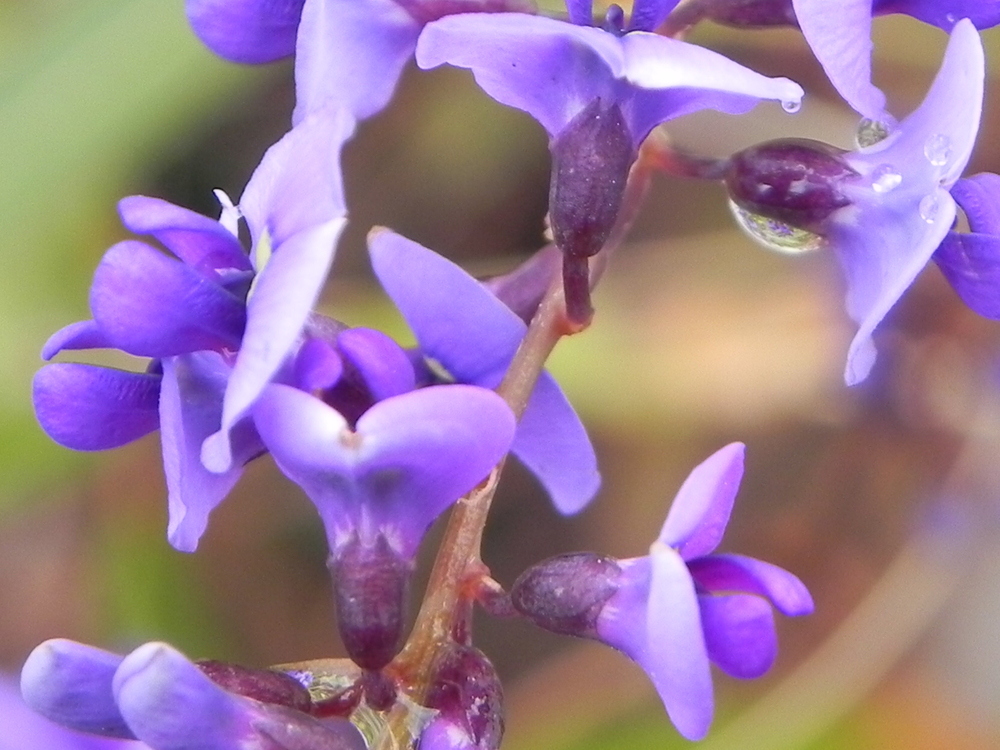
x=150 y=305
x=70 y=683
x=199 y=241
x=85 y=334
x=411 y=456
x=739 y=633
x=91 y=408
x=698 y=516
x=737 y=573
x=246 y=31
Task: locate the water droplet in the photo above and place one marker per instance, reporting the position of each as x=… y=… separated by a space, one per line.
x=949 y=17
x=870 y=132
x=775 y=235
x=929 y=207
x=937 y=149
x=791 y=105
x=885 y=178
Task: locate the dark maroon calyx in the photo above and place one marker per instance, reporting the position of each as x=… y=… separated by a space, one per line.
x=264 y=685
x=794 y=180
x=371 y=589
x=466 y=691
x=566 y=594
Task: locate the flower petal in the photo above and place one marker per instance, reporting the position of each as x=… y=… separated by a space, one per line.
x=246 y=31
x=648 y=14
x=971 y=263
x=523 y=288
x=842 y=44
x=699 y=514
x=199 y=241
x=548 y=68
x=729 y=573
x=677 y=659
x=382 y=364
x=979 y=197
x=943 y=13
x=90 y=408
x=275 y=320
x=190 y=410
x=411 y=457
x=318 y=366
x=739 y=634
x=70 y=683
x=85 y=334
x=150 y=305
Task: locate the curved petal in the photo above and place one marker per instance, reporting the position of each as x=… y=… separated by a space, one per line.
x=190 y=411
x=979 y=197
x=842 y=44
x=351 y=54
x=275 y=320
x=90 y=408
x=971 y=263
x=246 y=31
x=85 y=334
x=380 y=361
x=318 y=366
x=199 y=241
x=647 y=15
x=944 y=13
x=699 y=514
x=739 y=634
x=298 y=184
x=150 y=305
x=677 y=659
x=553 y=443
x=737 y=573
x=70 y=683
x=411 y=457
x=548 y=68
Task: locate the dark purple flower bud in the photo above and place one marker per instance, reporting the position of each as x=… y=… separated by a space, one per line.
x=371 y=586
x=741 y=14
x=793 y=180
x=264 y=685
x=467 y=694
x=565 y=594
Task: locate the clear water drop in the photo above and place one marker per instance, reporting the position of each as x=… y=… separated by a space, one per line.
x=791 y=105
x=929 y=207
x=885 y=178
x=775 y=235
x=949 y=17
x=937 y=149
x=870 y=132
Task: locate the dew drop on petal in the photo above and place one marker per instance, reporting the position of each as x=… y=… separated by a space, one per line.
x=949 y=17
x=937 y=149
x=885 y=178
x=929 y=207
x=791 y=105
x=775 y=235
x=870 y=132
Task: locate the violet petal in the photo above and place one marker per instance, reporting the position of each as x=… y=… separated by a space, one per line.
x=739 y=634
x=246 y=31
x=971 y=263
x=91 y=408
x=698 y=516
x=944 y=13
x=383 y=365
x=979 y=198
x=85 y=334
x=737 y=573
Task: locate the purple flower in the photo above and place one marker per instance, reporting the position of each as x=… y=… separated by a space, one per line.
x=842 y=43
x=883 y=209
x=680 y=607
x=352 y=53
x=462 y=326
x=157 y=695
x=218 y=325
x=246 y=31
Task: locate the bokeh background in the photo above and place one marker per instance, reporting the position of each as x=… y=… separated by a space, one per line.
x=884 y=498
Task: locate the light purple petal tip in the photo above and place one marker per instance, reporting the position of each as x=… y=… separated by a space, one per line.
x=246 y=31
x=90 y=408
x=842 y=44
x=739 y=634
x=677 y=658
x=199 y=241
x=70 y=683
x=737 y=573
x=699 y=514
x=85 y=334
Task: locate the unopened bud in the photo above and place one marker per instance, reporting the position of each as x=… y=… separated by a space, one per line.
x=565 y=594
x=795 y=181
x=264 y=685
x=466 y=692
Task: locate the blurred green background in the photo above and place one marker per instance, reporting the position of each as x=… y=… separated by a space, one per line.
x=883 y=498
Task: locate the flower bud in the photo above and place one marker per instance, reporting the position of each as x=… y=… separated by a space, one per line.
x=264 y=685
x=748 y=14
x=565 y=594
x=796 y=181
x=371 y=587
x=466 y=692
